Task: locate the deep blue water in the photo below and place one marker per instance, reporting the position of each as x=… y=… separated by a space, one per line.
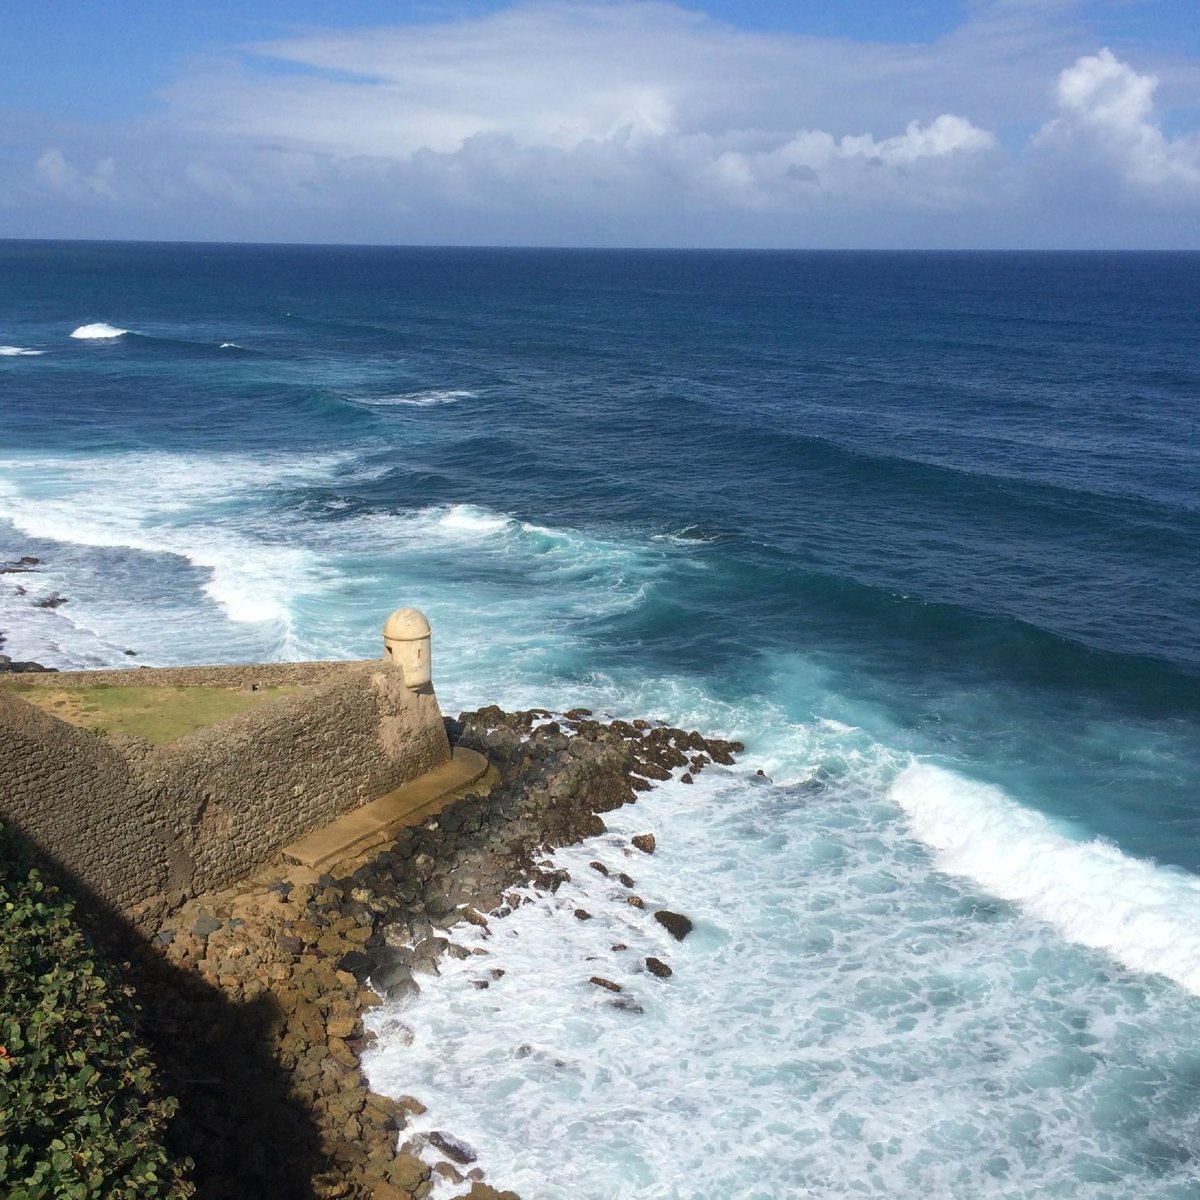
x=921 y=526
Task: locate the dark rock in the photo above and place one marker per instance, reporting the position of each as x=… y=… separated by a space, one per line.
x=452 y=1148
x=582 y=914
x=394 y=980
x=206 y=926
x=656 y=966
x=290 y=943
x=25 y=563
x=686 y=777
x=635 y=902
x=627 y=880
x=21 y=668
x=605 y=983
x=626 y=1004
x=440 y=906
x=676 y=924
x=357 y=963
x=619 y=946
x=130 y=653
x=54 y=600
x=599 y=866
x=645 y=842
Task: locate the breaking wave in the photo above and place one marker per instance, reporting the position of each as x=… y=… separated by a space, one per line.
x=98 y=331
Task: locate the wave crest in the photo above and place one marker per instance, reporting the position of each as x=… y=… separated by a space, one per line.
x=1144 y=915
x=98 y=330
x=425 y=399
x=18 y=352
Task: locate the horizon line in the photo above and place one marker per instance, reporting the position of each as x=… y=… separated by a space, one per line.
x=633 y=249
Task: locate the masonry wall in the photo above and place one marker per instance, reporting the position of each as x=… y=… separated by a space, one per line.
x=146 y=827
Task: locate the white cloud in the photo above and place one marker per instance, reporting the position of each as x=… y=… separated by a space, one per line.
x=596 y=105
x=53 y=173
x=1107 y=116
x=592 y=121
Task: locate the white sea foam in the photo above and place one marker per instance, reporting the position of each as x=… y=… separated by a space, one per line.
x=1145 y=915
x=180 y=505
x=230 y=346
x=98 y=330
x=468 y=518
x=19 y=352
x=424 y=399
x=841 y=1022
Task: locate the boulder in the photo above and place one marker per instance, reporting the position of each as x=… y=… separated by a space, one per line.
x=676 y=924
x=452 y=1148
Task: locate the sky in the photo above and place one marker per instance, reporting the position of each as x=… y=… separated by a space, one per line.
x=1042 y=124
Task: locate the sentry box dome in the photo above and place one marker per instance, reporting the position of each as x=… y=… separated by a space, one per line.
x=407 y=642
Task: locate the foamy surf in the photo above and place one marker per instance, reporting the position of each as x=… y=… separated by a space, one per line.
x=98 y=331
x=179 y=505
x=19 y=352
x=840 y=1022
x=1144 y=915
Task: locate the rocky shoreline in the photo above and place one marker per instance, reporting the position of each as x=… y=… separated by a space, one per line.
x=24 y=565
x=302 y=961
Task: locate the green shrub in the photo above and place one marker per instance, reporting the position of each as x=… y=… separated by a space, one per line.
x=80 y=1115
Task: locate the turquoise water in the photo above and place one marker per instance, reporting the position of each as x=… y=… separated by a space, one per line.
x=920 y=529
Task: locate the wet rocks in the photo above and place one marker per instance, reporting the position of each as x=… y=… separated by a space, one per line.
x=303 y=953
x=25 y=563
x=16 y=668
x=676 y=924
x=452 y=1148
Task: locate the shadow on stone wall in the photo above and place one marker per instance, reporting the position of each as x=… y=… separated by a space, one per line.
x=246 y=1136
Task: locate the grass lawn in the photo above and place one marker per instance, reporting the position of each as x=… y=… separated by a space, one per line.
x=158 y=714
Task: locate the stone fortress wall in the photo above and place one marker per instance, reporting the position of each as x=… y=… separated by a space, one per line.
x=146 y=827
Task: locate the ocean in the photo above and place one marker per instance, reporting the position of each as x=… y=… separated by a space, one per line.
x=921 y=530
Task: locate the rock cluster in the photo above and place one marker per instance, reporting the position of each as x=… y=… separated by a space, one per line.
x=23 y=566
x=301 y=954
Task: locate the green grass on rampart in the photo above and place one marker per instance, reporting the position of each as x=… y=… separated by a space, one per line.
x=158 y=714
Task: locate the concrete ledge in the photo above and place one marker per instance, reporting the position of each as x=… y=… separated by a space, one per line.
x=409 y=804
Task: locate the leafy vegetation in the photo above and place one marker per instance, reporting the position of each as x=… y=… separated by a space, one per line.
x=80 y=1115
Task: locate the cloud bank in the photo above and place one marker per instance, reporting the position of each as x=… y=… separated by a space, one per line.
x=629 y=123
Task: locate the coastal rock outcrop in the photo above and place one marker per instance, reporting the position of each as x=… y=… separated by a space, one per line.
x=314 y=955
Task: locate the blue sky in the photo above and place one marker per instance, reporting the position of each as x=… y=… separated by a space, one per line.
x=951 y=123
